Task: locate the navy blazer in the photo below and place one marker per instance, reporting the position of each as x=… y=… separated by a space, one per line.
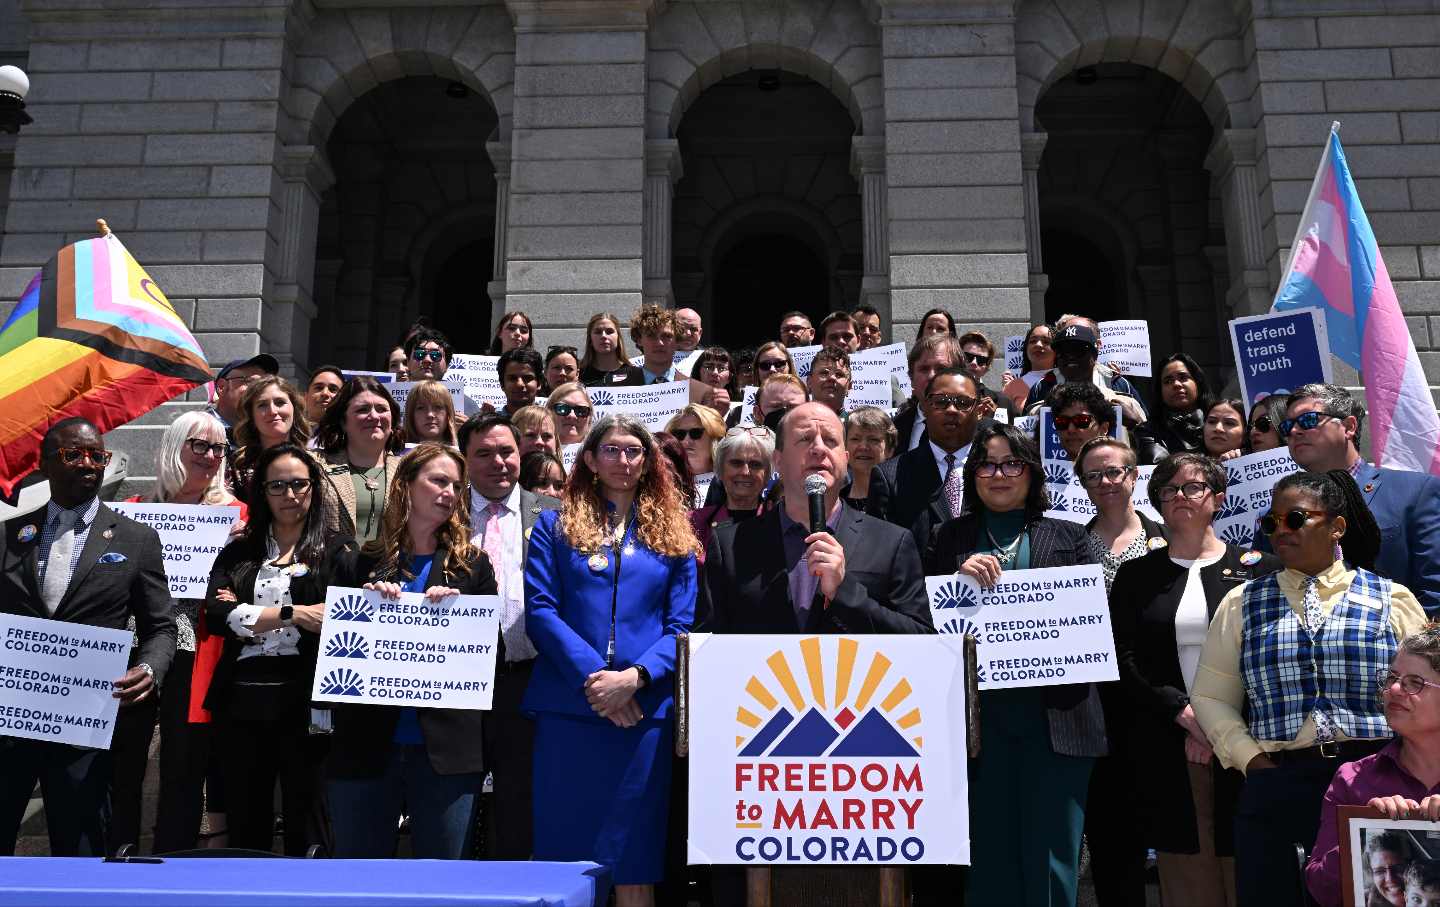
x=567 y=616
x=909 y=491
x=1406 y=506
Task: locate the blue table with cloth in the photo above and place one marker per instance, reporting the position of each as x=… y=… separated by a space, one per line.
x=240 y=882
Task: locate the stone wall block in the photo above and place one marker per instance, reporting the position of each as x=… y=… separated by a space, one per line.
x=973 y=304
x=24 y=253
x=1304 y=65
x=588 y=241
x=147 y=118
x=536 y=209
x=235 y=245
x=152 y=248
x=1394 y=30
x=599 y=79
x=950 y=72
x=576 y=176
x=81 y=87
x=141 y=182
x=978 y=169
x=197 y=214
x=1293 y=97
x=1402 y=262
x=41 y=182
x=581 y=112
x=975 y=39
x=77 y=216
x=227 y=314
x=973 y=233
x=230 y=85
x=960 y=270
x=1419 y=330
x=252 y=53
x=1392 y=94
x=580 y=48
x=246 y=116
x=574 y=276
x=225 y=347
x=1284 y=34
x=214 y=148
x=57 y=56
x=954 y=104
x=154 y=55
x=1424 y=194
x=1419 y=297
x=963 y=136
x=1412 y=227
x=1430 y=261
x=210 y=280
x=1312 y=129
x=568 y=144
x=54 y=119
x=1416 y=62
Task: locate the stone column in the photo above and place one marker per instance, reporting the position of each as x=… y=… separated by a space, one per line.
x=499 y=156
x=663 y=169
x=1032 y=149
x=1232 y=162
x=304 y=176
x=867 y=163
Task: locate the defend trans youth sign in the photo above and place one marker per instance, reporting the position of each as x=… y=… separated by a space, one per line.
x=831 y=749
x=1276 y=353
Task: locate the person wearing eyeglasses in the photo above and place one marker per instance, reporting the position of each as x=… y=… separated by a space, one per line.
x=796 y=329
x=1080 y=414
x=714 y=368
x=562 y=365
x=605 y=361
x=1028 y=787
x=977 y=353
x=1402 y=780
x=687 y=330
x=1322 y=427
x=572 y=408
x=189 y=469
x=1285 y=688
x=1182 y=801
x=698 y=429
x=1264 y=423
x=1226 y=434
x=609 y=584
x=924 y=487
x=266 y=599
x=427 y=352
x=743 y=460
x=78 y=561
x=931 y=354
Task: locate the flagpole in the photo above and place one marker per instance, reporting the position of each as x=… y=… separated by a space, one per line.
x=1303 y=225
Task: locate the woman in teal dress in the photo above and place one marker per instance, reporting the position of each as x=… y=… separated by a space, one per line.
x=1038 y=744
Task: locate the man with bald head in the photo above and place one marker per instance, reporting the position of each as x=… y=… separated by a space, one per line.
x=772 y=574
x=687 y=330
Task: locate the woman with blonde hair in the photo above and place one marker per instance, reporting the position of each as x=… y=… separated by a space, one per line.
x=272 y=412
x=572 y=408
x=605 y=362
x=536 y=426
x=698 y=428
x=609 y=584
x=424 y=761
x=430 y=414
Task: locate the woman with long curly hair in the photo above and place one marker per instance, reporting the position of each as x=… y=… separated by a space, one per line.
x=424 y=760
x=272 y=413
x=609 y=584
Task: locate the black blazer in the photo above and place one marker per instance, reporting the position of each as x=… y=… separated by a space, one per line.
x=1143 y=602
x=1077 y=722
x=626 y=375
x=905 y=425
x=130 y=583
x=236 y=570
x=908 y=490
x=746 y=589
x=363 y=733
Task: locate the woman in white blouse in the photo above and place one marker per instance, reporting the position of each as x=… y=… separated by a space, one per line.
x=267 y=598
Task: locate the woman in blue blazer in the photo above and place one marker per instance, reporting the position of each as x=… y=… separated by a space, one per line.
x=609 y=584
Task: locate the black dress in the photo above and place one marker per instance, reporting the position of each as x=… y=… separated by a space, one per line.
x=626 y=375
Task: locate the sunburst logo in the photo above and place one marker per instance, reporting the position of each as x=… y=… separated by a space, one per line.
x=602 y=398
x=348 y=645
x=839 y=718
x=352 y=607
x=1237 y=534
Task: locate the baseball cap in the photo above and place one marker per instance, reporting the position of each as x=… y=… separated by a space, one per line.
x=1077 y=333
x=265 y=361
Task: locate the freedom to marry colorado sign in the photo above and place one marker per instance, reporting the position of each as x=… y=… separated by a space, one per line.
x=191 y=536
x=57 y=680
x=831 y=749
x=410 y=651
x=1034 y=628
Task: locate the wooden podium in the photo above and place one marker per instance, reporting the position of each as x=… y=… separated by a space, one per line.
x=823 y=886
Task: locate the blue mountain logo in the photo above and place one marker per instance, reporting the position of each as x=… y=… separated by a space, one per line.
x=959 y=626
x=956 y=594
x=343 y=682
x=348 y=645
x=1239 y=534
x=602 y=398
x=1233 y=475
x=353 y=607
x=1060 y=502
x=1234 y=506
x=1057 y=474
x=803 y=369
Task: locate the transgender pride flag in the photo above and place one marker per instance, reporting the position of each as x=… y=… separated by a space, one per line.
x=1335 y=266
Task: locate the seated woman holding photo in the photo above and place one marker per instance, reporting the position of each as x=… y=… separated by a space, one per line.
x=1402 y=780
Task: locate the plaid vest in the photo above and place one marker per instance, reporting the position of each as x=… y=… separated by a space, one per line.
x=1289 y=673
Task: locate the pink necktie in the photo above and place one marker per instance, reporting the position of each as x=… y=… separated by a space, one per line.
x=494 y=544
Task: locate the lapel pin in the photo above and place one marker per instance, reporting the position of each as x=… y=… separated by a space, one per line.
x=26 y=533
x=108 y=534
x=527 y=534
x=535 y=511
x=1156 y=543
x=1226 y=571
x=1369 y=487
x=1250 y=558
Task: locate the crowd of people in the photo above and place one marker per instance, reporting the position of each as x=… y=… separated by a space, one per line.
x=1258 y=688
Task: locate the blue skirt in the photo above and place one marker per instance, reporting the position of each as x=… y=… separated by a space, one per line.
x=602 y=793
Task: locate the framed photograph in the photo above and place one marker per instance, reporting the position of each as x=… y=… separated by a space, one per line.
x=1388 y=863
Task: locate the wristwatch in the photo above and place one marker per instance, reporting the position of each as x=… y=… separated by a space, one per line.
x=644 y=675
x=147 y=669
x=287 y=614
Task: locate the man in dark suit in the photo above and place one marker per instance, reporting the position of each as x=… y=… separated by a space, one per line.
x=921 y=488
x=80 y=562
x=930 y=355
x=501 y=516
x=772 y=575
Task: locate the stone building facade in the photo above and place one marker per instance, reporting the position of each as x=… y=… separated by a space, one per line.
x=308 y=176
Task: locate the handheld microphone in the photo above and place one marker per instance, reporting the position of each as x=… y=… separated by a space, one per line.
x=815 y=494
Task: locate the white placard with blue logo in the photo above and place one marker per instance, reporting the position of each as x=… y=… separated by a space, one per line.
x=1249 y=482
x=1035 y=628
x=1015 y=354
x=400 y=391
x=480 y=378
x=57 y=680
x=652 y=404
x=747 y=405
x=1126 y=344
x=844 y=750
x=1070 y=501
x=802 y=356
x=871 y=376
x=408 y=652
x=1276 y=353
x=569 y=453
x=191 y=535
x=684 y=360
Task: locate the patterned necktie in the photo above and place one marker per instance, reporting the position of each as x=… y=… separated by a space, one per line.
x=57 y=565
x=1314 y=618
x=954 y=484
x=512 y=608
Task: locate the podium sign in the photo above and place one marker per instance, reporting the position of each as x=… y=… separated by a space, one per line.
x=828 y=750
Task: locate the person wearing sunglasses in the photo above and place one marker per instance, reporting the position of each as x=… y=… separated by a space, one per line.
x=605 y=361
x=1322 y=427
x=609 y=584
x=1285 y=689
x=1264 y=424
x=698 y=429
x=1077 y=350
x=771 y=359
x=977 y=354
x=1402 y=780
x=189 y=469
x=427 y=352
x=76 y=560
x=1080 y=414
x=1028 y=787
x=572 y=408
x=1160 y=608
x=266 y=599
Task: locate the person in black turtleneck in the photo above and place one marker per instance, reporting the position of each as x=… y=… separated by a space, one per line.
x=1177 y=423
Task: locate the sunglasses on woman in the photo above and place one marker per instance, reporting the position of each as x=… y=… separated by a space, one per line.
x=1081 y=421
x=770 y=365
x=276 y=488
x=1294 y=520
x=1308 y=421
x=691 y=434
x=1263 y=425
x=572 y=409
x=977 y=359
x=432 y=355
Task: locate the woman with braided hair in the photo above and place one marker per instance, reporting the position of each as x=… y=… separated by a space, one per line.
x=1286 y=685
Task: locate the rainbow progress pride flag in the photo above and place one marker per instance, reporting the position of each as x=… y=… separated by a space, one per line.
x=92 y=336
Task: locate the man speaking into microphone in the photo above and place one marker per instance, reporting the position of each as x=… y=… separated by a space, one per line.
x=813 y=565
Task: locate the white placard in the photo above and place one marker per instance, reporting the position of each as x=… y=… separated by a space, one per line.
x=1127 y=344
x=400 y=391
x=1070 y=501
x=1249 y=482
x=410 y=652
x=57 y=680
x=682 y=360
x=1035 y=628
x=747 y=412
x=652 y=404
x=568 y=455
x=873 y=374
x=828 y=750
x=702 y=487
x=474 y=362
x=802 y=356
x=1015 y=353
x=480 y=377
x=191 y=535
